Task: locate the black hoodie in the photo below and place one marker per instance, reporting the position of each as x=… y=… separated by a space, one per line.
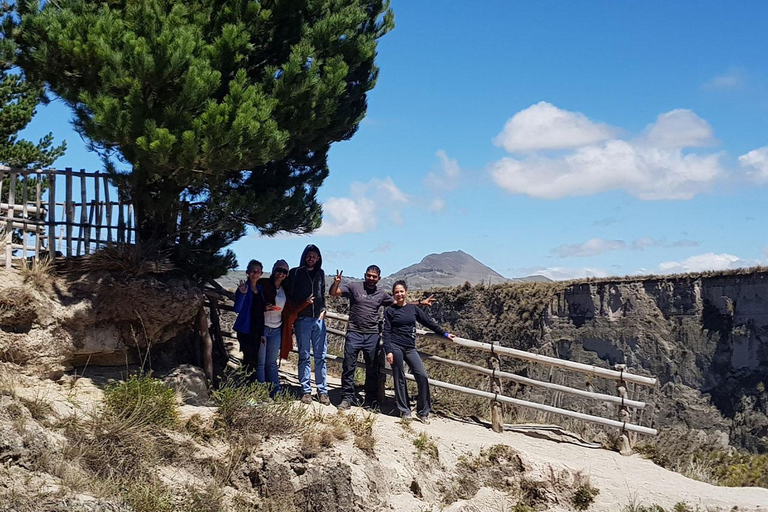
x=301 y=283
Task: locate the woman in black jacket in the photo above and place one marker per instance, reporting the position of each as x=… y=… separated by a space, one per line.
x=400 y=345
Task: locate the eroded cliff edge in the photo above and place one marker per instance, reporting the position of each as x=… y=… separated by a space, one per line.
x=704 y=336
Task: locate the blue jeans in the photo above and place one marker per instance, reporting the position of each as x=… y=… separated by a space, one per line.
x=266 y=362
x=310 y=332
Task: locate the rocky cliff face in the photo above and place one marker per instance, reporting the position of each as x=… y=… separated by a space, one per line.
x=96 y=319
x=705 y=337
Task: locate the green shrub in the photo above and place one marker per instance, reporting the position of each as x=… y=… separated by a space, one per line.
x=246 y=408
x=584 y=496
x=145 y=400
x=426 y=446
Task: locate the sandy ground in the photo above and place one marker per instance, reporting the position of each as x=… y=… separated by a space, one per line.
x=622 y=480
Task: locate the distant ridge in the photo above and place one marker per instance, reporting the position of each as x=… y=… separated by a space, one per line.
x=452 y=268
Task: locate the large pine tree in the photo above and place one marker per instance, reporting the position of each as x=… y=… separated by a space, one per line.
x=223 y=110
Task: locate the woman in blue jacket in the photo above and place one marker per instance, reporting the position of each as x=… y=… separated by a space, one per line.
x=249 y=306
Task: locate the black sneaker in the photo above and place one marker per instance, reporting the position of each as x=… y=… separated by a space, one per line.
x=373 y=406
x=323 y=399
x=344 y=405
x=306 y=398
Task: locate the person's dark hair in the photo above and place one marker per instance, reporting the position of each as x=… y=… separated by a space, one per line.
x=375 y=268
x=401 y=283
x=254 y=263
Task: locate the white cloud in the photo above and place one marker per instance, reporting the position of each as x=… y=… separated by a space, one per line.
x=437 y=205
x=591 y=247
x=732 y=80
x=756 y=164
x=703 y=262
x=358 y=213
x=565 y=273
x=383 y=247
x=652 y=167
x=446 y=177
x=344 y=215
x=595 y=246
x=544 y=126
x=647 y=243
x=678 y=128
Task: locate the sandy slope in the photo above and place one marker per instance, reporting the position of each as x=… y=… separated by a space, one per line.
x=621 y=480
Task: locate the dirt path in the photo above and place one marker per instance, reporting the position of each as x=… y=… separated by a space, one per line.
x=622 y=481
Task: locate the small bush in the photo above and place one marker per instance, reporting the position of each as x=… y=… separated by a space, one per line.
x=38 y=273
x=146 y=400
x=362 y=427
x=148 y=496
x=207 y=499
x=247 y=409
x=584 y=496
x=426 y=446
x=314 y=441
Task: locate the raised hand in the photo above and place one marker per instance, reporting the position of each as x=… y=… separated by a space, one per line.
x=272 y=307
x=242 y=287
x=337 y=278
x=310 y=299
x=428 y=301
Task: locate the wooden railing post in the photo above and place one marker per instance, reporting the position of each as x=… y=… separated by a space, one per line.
x=205 y=334
x=494 y=363
x=9 y=224
x=51 y=215
x=625 y=447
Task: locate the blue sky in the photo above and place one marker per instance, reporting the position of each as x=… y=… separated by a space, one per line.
x=566 y=139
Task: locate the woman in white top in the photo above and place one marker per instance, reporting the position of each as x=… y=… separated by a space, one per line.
x=274 y=295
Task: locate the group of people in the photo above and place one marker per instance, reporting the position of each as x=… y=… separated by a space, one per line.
x=292 y=300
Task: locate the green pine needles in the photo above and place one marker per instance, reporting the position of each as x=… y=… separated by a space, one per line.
x=223 y=111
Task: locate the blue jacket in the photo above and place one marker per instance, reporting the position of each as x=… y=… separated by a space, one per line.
x=243 y=308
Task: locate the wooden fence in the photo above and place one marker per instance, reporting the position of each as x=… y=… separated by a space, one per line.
x=64 y=212
x=624 y=380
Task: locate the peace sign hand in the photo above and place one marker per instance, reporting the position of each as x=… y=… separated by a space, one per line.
x=337 y=278
x=242 y=287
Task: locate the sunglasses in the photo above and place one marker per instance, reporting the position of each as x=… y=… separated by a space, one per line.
x=281 y=271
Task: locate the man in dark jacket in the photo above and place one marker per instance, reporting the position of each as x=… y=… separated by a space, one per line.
x=306 y=284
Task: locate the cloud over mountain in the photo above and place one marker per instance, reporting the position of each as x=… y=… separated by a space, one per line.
x=654 y=166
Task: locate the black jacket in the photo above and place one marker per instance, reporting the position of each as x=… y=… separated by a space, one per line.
x=301 y=283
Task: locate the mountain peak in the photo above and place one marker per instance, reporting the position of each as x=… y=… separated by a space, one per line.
x=450 y=268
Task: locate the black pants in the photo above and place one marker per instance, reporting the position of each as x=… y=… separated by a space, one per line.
x=369 y=345
x=249 y=346
x=423 y=399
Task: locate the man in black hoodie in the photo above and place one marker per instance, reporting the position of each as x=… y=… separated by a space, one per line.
x=306 y=284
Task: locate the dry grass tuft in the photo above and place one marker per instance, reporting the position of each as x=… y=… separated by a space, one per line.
x=38 y=273
x=315 y=440
x=142 y=400
x=131 y=259
x=361 y=425
x=426 y=447
x=247 y=410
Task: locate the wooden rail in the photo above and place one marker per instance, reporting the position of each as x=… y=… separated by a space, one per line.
x=621 y=377
x=514 y=401
x=536 y=358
